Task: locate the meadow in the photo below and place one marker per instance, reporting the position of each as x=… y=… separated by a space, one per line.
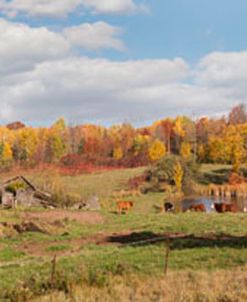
x=93 y=256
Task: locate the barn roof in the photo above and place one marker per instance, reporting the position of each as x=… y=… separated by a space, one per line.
x=22 y=178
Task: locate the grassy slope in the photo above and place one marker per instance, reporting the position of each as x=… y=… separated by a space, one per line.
x=96 y=260
x=101 y=184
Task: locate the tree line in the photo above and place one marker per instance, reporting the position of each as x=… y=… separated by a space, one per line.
x=205 y=140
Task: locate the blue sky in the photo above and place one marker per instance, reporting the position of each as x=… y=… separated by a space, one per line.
x=171 y=28
x=137 y=60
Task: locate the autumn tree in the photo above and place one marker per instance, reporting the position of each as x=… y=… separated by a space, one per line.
x=217 y=150
x=157 y=150
x=237 y=158
x=140 y=144
x=238 y=115
x=235 y=147
x=118 y=153
x=185 y=150
x=163 y=132
x=6 y=154
x=211 y=140
x=178 y=133
x=25 y=144
x=202 y=153
x=55 y=147
x=15 y=125
x=178 y=174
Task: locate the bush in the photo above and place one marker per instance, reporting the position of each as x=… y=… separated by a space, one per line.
x=163 y=173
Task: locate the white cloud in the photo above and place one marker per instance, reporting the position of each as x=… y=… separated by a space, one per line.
x=41 y=78
x=95 y=36
x=226 y=73
x=52 y=8
x=220 y=68
x=114 y=6
x=61 y=8
x=22 y=46
x=83 y=88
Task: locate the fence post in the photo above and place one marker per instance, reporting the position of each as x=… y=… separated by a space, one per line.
x=167 y=255
x=53 y=270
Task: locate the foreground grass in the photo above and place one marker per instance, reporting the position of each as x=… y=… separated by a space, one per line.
x=94 y=267
x=219 y=286
x=94 y=263
x=9 y=254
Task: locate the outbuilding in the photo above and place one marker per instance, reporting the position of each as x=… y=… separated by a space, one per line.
x=19 y=191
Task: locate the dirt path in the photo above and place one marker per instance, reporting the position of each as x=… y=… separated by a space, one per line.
x=120 y=239
x=74 y=245
x=40 y=251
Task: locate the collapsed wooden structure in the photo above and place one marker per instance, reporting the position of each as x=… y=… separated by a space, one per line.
x=19 y=191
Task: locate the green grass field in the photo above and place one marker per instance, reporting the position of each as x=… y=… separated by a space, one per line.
x=93 y=253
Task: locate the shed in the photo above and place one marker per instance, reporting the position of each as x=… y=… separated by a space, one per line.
x=19 y=191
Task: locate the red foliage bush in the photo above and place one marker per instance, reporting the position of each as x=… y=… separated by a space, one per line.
x=74 y=164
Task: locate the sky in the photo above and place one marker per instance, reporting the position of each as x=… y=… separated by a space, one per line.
x=115 y=61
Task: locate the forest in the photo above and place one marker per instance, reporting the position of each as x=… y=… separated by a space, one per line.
x=205 y=140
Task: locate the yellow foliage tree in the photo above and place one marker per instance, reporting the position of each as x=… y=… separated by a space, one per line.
x=59 y=125
x=185 y=150
x=118 y=153
x=218 y=150
x=6 y=154
x=178 y=127
x=178 y=174
x=26 y=141
x=140 y=143
x=235 y=147
x=237 y=157
x=157 y=150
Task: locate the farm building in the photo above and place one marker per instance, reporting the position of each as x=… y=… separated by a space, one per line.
x=19 y=191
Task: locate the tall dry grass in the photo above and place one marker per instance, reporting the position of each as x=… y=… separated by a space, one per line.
x=227 y=191
x=218 y=286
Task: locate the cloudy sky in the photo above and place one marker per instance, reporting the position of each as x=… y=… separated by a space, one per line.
x=112 y=61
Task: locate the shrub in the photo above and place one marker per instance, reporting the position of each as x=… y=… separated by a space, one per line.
x=163 y=172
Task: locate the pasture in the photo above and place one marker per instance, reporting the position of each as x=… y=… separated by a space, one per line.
x=96 y=250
